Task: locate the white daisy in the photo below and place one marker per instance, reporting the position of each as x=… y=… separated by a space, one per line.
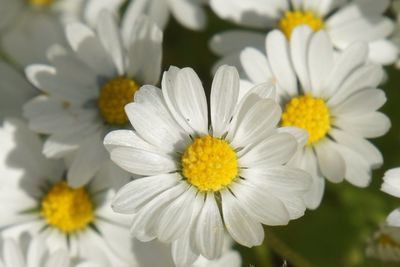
x=30 y=27
x=194 y=174
x=189 y=13
x=385 y=244
x=86 y=90
x=36 y=199
x=391 y=185
x=32 y=252
x=334 y=98
x=15 y=89
x=344 y=21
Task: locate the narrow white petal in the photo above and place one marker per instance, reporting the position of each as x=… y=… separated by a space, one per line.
x=330 y=161
x=299 y=46
x=59 y=258
x=131 y=197
x=243 y=228
x=394 y=218
x=273 y=151
x=209 y=229
x=224 y=97
x=255 y=65
x=12 y=254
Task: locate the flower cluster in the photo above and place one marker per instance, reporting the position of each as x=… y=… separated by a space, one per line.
x=112 y=157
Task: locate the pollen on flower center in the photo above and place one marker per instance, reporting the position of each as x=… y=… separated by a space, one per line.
x=309 y=113
x=292 y=19
x=114 y=95
x=209 y=163
x=41 y=3
x=66 y=208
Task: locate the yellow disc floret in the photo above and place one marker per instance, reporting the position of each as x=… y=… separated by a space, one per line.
x=114 y=95
x=309 y=113
x=41 y=3
x=292 y=19
x=209 y=163
x=66 y=208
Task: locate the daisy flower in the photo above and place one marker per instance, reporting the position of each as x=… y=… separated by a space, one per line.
x=189 y=13
x=194 y=173
x=391 y=185
x=334 y=99
x=396 y=35
x=385 y=244
x=30 y=27
x=85 y=90
x=35 y=199
x=32 y=252
x=344 y=21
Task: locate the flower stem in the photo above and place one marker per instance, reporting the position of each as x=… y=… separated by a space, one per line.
x=284 y=251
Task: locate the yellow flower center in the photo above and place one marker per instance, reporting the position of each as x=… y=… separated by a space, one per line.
x=386 y=240
x=209 y=163
x=41 y=3
x=309 y=113
x=114 y=95
x=292 y=19
x=66 y=208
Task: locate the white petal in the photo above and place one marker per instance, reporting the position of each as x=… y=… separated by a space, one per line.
x=12 y=254
x=243 y=228
x=167 y=136
x=369 y=125
x=87 y=161
x=131 y=197
x=191 y=100
x=59 y=258
x=299 y=46
x=125 y=138
x=391 y=184
x=255 y=65
x=320 y=61
x=330 y=161
x=273 y=151
x=175 y=218
x=394 y=218
x=364 y=148
x=255 y=123
x=224 y=97
x=189 y=13
x=146 y=221
x=279 y=59
x=89 y=49
x=209 y=229
x=360 y=103
x=383 y=52
x=348 y=60
x=300 y=134
x=263 y=207
x=142 y=161
x=145 y=52
x=111 y=39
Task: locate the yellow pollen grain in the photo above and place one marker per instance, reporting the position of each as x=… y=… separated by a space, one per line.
x=66 y=208
x=114 y=95
x=309 y=113
x=41 y=3
x=291 y=19
x=209 y=163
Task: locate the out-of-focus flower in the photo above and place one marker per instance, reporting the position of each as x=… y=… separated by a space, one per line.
x=344 y=21
x=391 y=185
x=189 y=13
x=334 y=98
x=396 y=34
x=32 y=252
x=30 y=27
x=195 y=173
x=385 y=244
x=87 y=88
x=36 y=199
